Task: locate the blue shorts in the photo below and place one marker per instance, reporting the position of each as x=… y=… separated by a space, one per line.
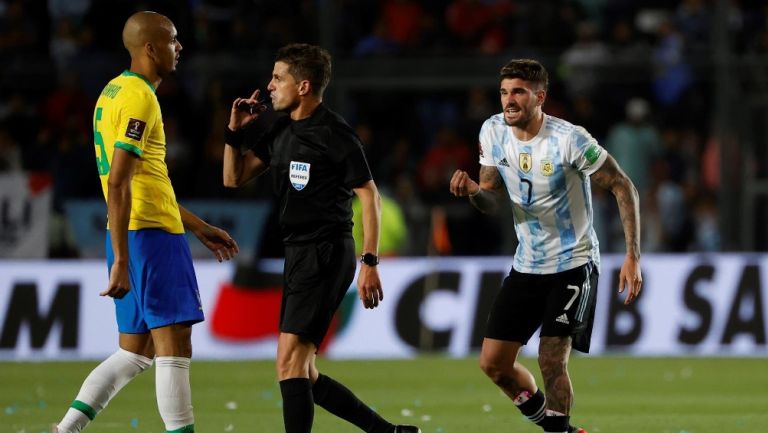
x=163 y=284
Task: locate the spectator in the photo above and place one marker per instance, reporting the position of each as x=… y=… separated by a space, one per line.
x=178 y=157
x=446 y=155
x=68 y=107
x=377 y=42
x=758 y=70
x=64 y=44
x=672 y=75
x=19 y=33
x=583 y=62
x=394 y=231
x=707 y=224
x=467 y=20
x=635 y=143
x=695 y=24
x=399 y=161
x=22 y=122
x=404 y=20
x=629 y=70
x=590 y=117
x=626 y=47
x=668 y=188
x=54 y=60
x=10 y=154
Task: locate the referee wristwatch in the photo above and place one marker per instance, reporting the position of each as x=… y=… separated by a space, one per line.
x=369 y=259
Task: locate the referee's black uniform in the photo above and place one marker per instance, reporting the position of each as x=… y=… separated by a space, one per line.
x=314 y=163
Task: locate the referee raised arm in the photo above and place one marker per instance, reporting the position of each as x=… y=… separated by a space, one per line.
x=317 y=163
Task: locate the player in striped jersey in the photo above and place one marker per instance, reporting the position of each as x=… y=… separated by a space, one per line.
x=546 y=165
x=150 y=267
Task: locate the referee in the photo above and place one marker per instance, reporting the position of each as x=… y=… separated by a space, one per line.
x=316 y=162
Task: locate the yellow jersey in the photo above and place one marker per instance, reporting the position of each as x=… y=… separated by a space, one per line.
x=127 y=116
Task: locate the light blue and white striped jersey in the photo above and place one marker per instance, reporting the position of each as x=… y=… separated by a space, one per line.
x=547 y=178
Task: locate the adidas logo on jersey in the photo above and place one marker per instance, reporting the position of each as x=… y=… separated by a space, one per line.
x=504 y=162
x=563 y=319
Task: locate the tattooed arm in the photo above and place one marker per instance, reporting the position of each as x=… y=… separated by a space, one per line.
x=611 y=177
x=483 y=196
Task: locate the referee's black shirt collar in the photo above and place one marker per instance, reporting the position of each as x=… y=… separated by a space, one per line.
x=305 y=121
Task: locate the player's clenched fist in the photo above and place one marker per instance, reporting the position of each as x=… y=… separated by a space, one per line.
x=462 y=185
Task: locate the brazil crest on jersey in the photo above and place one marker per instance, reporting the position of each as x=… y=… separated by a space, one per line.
x=127 y=116
x=547 y=179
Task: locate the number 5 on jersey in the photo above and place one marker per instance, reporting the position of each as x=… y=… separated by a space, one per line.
x=102 y=162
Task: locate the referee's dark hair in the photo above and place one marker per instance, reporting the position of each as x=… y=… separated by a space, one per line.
x=525 y=69
x=307 y=62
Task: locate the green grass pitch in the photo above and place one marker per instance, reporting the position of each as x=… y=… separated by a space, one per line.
x=613 y=395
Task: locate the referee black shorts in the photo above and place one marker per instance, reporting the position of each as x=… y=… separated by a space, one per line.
x=563 y=304
x=316 y=277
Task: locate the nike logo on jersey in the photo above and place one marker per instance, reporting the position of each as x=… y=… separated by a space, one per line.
x=563 y=319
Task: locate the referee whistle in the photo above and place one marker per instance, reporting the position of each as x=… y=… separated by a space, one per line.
x=251 y=108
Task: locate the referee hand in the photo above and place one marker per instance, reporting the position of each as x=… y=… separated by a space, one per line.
x=369 y=286
x=245 y=110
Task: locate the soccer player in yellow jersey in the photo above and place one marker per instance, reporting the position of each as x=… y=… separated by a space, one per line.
x=150 y=267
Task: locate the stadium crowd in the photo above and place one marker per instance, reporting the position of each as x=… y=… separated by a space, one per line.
x=636 y=74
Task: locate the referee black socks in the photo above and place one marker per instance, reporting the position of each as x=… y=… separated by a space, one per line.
x=340 y=401
x=298 y=407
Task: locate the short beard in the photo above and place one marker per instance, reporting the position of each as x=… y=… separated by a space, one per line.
x=521 y=123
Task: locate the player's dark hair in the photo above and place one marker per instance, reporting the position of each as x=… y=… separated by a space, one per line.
x=307 y=62
x=526 y=69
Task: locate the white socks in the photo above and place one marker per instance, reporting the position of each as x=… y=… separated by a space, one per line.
x=100 y=386
x=174 y=396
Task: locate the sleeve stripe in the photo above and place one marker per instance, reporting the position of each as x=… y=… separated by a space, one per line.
x=129 y=147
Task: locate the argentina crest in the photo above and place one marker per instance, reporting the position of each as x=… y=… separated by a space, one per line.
x=547 y=167
x=299 y=174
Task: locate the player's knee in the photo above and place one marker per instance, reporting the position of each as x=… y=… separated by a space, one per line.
x=282 y=369
x=141 y=362
x=290 y=366
x=313 y=372
x=494 y=371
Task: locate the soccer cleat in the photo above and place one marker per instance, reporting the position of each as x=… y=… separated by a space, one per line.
x=408 y=429
x=576 y=430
